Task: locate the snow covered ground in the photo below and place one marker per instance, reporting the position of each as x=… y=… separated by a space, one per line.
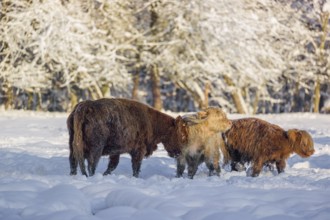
x=35 y=182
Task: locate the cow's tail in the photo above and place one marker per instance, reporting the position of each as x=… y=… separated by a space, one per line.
x=73 y=163
x=78 y=137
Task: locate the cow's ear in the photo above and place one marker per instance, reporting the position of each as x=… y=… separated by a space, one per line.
x=179 y=120
x=202 y=114
x=294 y=135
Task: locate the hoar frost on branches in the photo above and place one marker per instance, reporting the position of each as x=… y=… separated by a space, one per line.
x=242 y=48
x=249 y=46
x=243 y=52
x=43 y=38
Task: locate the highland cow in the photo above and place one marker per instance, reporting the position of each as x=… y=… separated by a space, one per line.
x=203 y=129
x=262 y=143
x=115 y=126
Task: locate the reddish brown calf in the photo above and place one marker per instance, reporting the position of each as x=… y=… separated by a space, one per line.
x=257 y=141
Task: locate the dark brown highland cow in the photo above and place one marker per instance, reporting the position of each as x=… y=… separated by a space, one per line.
x=257 y=141
x=115 y=126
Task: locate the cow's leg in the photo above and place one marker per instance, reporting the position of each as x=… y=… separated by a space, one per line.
x=237 y=162
x=215 y=164
x=233 y=166
x=193 y=162
x=210 y=166
x=280 y=165
x=214 y=167
x=257 y=167
x=238 y=166
x=137 y=157
x=192 y=169
x=180 y=165
x=113 y=163
x=269 y=166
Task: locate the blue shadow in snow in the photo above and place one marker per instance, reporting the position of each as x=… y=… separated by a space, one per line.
x=322 y=140
x=322 y=161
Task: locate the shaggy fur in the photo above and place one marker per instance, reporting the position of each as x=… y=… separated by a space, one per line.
x=115 y=126
x=257 y=141
x=212 y=154
x=203 y=128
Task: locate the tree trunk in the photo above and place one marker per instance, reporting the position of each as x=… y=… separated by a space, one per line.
x=73 y=100
x=192 y=91
x=136 y=82
x=322 y=60
x=239 y=101
x=9 y=97
x=236 y=94
x=297 y=103
x=317 y=96
x=30 y=103
x=105 y=89
x=153 y=69
x=256 y=102
x=207 y=90
x=155 y=81
x=39 y=102
x=95 y=92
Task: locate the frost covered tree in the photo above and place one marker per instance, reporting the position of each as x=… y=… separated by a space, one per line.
x=259 y=41
x=244 y=48
x=239 y=46
x=171 y=44
x=242 y=54
x=44 y=39
x=315 y=62
x=148 y=25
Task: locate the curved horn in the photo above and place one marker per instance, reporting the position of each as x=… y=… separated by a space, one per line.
x=196 y=118
x=202 y=114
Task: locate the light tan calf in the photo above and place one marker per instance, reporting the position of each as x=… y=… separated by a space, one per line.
x=203 y=130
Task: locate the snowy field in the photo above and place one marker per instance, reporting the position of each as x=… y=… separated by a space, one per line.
x=35 y=182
